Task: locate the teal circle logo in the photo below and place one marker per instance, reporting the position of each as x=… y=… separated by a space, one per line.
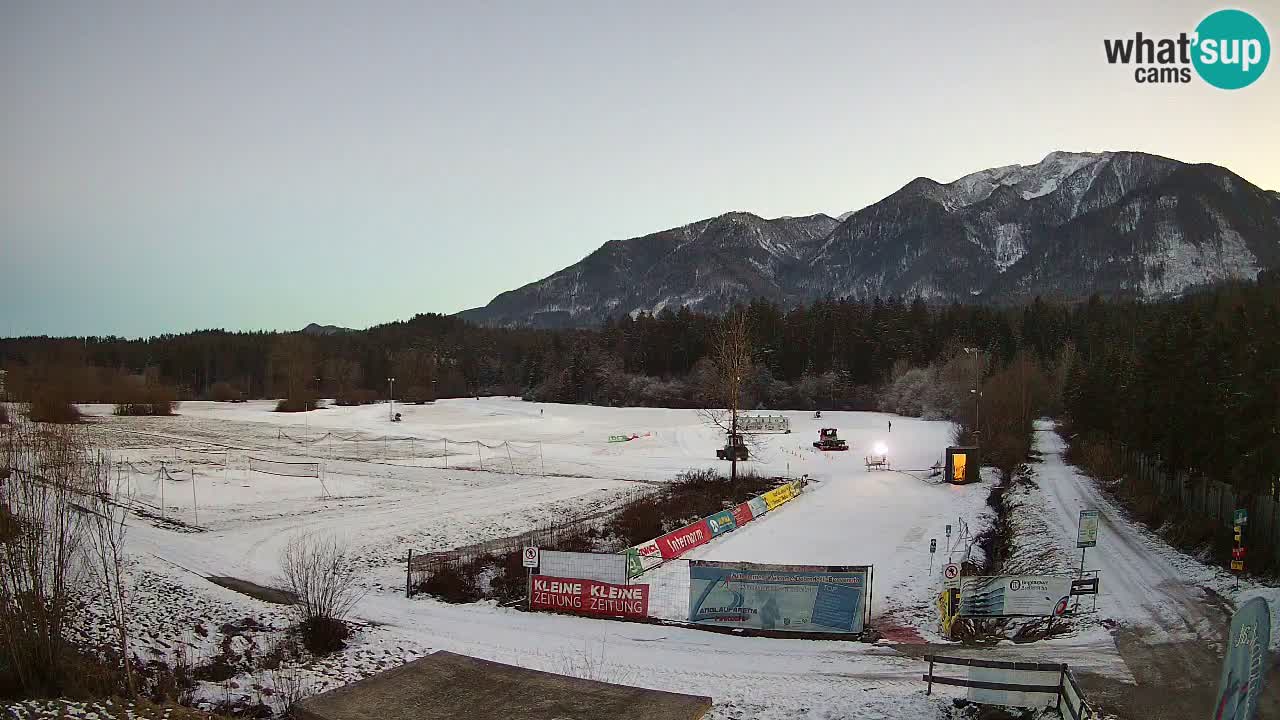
x=1232 y=49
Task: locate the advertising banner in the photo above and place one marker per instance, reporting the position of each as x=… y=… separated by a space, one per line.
x=1244 y=668
x=678 y=542
x=764 y=423
x=1014 y=595
x=604 y=567
x=721 y=523
x=742 y=514
x=778 y=495
x=797 y=598
x=642 y=557
x=758 y=506
x=589 y=597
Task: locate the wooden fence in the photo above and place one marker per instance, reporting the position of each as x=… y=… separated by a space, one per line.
x=1024 y=684
x=1211 y=499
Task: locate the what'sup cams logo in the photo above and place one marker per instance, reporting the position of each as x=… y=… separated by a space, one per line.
x=1229 y=49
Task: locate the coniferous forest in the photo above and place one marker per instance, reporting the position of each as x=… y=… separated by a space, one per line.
x=1195 y=380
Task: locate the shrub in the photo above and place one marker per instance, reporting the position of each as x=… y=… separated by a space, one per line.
x=361 y=396
x=299 y=404
x=321 y=572
x=416 y=394
x=225 y=392
x=51 y=405
x=455 y=581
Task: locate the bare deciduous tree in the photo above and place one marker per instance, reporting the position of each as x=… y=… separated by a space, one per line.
x=107 y=531
x=42 y=541
x=730 y=370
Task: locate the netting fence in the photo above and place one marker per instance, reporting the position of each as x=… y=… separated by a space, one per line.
x=284 y=468
x=519 y=458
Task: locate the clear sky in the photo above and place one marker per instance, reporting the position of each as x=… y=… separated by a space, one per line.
x=173 y=165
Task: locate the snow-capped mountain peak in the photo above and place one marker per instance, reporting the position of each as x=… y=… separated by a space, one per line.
x=1072 y=224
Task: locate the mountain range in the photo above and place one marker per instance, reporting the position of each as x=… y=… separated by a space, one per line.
x=1115 y=223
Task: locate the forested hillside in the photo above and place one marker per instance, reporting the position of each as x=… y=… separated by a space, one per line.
x=1195 y=380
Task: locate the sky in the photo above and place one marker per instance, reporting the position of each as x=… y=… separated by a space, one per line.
x=170 y=166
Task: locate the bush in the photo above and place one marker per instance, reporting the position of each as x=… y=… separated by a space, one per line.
x=321 y=573
x=455 y=581
x=299 y=404
x=416 y=395
x=360 y=396
x=51 y=405
x=225 y=392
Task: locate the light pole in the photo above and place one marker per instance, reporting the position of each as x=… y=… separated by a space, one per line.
x=391 y=396
x=977 y=385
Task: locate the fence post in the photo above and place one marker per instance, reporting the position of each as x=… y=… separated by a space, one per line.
x=1275 y=527
x=929 y=691
x=408 y=575
x=1062 y=687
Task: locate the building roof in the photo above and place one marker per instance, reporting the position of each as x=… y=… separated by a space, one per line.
x=444 y=685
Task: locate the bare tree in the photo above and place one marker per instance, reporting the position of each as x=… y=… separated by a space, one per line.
x=729 y=371
x=321 y=572
x=107 y=530
x=42 y=544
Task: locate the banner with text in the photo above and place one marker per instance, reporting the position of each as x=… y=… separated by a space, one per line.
x=796 y=598
x=678 y=542
x=1014 y=595
x=721 y=523
x=643 y=557
x=778 y=495
x=589 y=597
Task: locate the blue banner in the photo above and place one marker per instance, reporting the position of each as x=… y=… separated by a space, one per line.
x=722 y=522
x=1244 y=669
x=796 y=598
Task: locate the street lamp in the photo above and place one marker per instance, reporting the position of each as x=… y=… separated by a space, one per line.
x=977 y=385
x=391 y=397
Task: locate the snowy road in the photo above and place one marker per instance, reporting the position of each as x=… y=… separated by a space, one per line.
x=1169 y=626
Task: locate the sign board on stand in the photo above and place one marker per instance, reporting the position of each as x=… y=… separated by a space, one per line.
x=1015 y=596
x=1087 y=536
x=951 y=576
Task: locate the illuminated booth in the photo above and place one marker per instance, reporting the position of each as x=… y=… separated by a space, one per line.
x=962 y=465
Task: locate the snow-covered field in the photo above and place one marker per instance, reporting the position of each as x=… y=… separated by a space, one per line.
x=389 y=488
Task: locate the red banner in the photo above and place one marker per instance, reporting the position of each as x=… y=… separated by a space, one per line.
x=589 y=597
x=742 y=514
x=678 y=542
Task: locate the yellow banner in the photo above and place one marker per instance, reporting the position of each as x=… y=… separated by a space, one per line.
x=778 y=495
